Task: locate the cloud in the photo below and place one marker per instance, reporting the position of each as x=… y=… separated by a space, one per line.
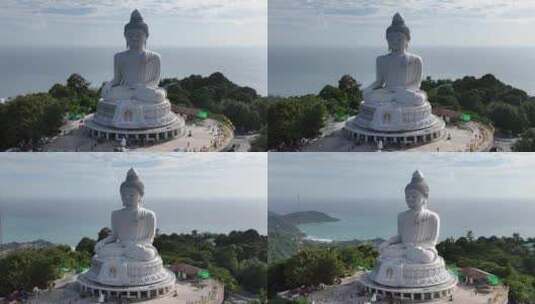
x=452 y=22
x=218 y=9
x=369 y=175
x=97 y=175
x=97 y=22
x=74 y=11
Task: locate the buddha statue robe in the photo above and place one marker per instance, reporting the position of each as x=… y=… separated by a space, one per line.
x=133 y=231
x=136 y=77
x=398 y=79
x=416 y=239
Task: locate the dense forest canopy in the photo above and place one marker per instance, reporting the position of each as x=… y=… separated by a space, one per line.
x=238 y=259
x=26 y=119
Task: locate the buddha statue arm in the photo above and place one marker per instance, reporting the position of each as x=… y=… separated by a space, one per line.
x=433 y=232
x=379 y=78
x=150 y=229
x=416 y=67
x=109 y=239
x=391 y=241
x=153 y=77
x=116 y=71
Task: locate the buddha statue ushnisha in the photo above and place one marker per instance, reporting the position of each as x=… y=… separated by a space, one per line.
x=418 y=227
x=133 y=227
x=136 y=70
x=399 y=73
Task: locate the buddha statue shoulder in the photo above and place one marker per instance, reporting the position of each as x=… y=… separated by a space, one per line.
x=136 y=70
x=133 y=227
x=398 y=73
x=418 y=227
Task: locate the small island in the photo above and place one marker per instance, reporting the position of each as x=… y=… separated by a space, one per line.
x=466 y=270
x=309 y=217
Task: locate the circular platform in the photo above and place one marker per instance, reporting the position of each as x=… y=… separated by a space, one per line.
x=436 y=131
x=96 y=130
x=410 y=295
x=150 y=291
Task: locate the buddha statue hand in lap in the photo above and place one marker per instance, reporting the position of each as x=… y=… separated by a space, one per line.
x=133 y=227
x=418 y=228
x=136 y=70
x=399 y=73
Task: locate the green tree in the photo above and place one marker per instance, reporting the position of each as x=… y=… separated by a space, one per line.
x=528 y=108
x=104 y=233
x=227 y=257
x=78 y=84
x=507 y=117
x=60 y=91
x=472 y=101
x=526 y=143
x=26 y=119
x=253 y=275
x=86 y=245
x=293 y=119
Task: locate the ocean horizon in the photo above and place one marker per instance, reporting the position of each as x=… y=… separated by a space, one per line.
x=36 y=69
x=67 y=222
x=306 y=70
x=371 y=219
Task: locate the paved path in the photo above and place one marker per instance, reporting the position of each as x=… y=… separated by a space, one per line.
x=349 y=292
x=208 y=292
x=208 y=135
x=472 y=136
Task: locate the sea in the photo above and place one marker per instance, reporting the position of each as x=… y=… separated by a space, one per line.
x=35 y=69
x=304 y=70
x=66 y=222
x=369 y=219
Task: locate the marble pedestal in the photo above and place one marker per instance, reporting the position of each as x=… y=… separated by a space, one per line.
x=425 y=294
x=134 y=120
x=121 y=278
x=393 y=123
x=397 y=272
x=144 y=292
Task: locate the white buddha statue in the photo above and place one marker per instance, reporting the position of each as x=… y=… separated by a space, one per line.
x=133 y=227
x=418 y=227
x=410 y=259
x=127 y=258
x=136 y=70
x=399 y=73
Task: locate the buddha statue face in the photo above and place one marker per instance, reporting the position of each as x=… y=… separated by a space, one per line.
x=397 y=41
x=415 y=199
x=136 y=39
x=131 y=197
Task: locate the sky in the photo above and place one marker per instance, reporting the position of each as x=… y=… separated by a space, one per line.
x=194 y=23
x=341 y=176
x=432 y=22
x=97 y=176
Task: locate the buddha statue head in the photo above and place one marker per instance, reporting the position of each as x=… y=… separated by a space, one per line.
x=136 y=32
x=417 y=192
x=132 y=190
x=398 y=34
